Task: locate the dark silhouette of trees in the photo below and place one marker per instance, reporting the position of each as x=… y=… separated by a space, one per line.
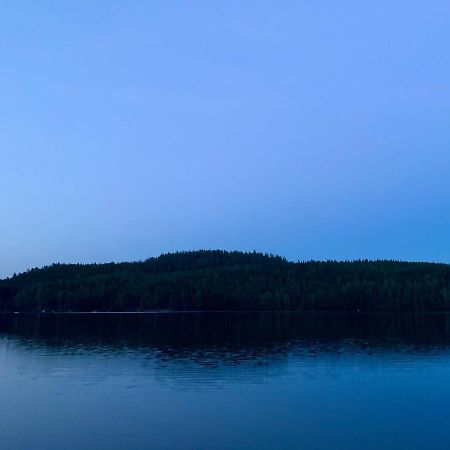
x=219 y=280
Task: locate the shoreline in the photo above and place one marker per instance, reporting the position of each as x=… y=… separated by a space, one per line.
x=361 y=313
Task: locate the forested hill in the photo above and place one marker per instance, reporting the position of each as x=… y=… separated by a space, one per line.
x=219 y=280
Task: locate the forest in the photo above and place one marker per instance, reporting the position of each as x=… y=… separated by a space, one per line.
x=216 y=280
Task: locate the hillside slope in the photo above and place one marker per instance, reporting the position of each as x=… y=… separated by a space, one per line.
x=219 y=280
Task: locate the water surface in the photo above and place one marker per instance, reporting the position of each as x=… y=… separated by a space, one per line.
x=224 y=380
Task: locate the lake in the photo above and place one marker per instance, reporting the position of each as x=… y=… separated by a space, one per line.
x=224 y=381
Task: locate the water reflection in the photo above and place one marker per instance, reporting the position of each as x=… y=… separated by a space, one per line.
x=222 y=339
x=224 y=380
x=227 y=331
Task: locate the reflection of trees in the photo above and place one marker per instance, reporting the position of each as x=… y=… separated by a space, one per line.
x=230 y=337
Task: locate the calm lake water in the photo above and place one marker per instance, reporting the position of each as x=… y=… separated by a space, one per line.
x=224 y=381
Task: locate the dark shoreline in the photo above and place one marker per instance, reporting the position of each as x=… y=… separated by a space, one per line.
x=230 y=281
x=237 y=311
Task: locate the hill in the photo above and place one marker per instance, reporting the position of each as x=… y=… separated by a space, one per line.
x=219 y=280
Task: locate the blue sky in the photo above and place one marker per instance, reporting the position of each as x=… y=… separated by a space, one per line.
x=311 y=129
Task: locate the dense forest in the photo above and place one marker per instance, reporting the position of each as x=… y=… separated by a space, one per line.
x=219 y=280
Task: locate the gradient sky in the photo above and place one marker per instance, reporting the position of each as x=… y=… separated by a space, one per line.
x=311 y=129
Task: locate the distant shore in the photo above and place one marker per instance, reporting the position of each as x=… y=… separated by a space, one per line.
x=229 y=281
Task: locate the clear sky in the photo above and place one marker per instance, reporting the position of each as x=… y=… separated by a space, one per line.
x=311 y=129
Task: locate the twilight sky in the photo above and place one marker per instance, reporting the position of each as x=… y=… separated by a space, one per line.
x=311 y=129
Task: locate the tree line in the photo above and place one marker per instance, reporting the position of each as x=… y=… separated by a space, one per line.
x=220 y=280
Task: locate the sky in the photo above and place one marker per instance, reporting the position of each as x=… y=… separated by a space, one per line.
x=311 y=129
